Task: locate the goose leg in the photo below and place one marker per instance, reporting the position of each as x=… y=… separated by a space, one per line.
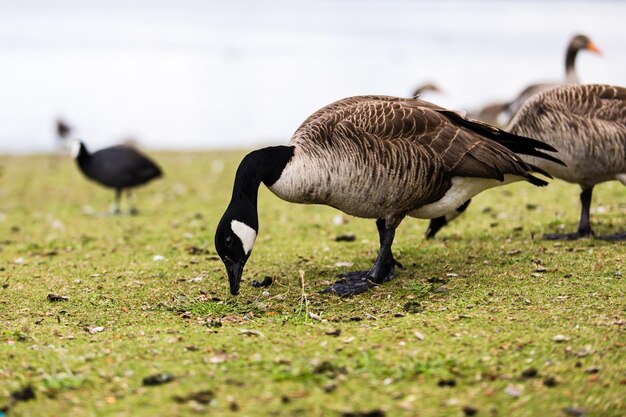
x=380 y=225
x=584 y=225
x=436 y=224
x=356 y=282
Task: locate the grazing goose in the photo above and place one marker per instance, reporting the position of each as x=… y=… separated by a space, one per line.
x=375 y=157
x=120 y=167
x=587 y=124
x=578 y=43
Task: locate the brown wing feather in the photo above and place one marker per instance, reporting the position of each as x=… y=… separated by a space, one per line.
x=586 y=123
x=462 y=151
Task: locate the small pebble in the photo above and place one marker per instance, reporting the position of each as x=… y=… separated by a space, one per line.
x=250 y=332
x=267 y=281
x=550 y=381
x=413 y=307
x=371 y=413
x=213 y=323
x=158 y=379
x=347 y=237
x=529 y=373
x=94 y=330
x=330 y=387
x=574 y=411
x=25 y=394
x=55 y=297
x=468 y=410
x=447 y=382
x=334 y=332
x=513 y=391
x=202 y=397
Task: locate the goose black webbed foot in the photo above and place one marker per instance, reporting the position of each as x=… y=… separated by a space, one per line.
x=133 y=211
x=565 y=236
x=356 y=282
x=352 y=283
x=584 y=226
x=617 y=237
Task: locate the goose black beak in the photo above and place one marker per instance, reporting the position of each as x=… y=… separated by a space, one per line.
x=234 y=270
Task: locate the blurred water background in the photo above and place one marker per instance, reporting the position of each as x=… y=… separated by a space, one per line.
x=194 y=74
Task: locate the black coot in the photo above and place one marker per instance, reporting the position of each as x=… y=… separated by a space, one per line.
x=119 y=167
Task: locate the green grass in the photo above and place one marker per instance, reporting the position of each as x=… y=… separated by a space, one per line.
x=473 y=294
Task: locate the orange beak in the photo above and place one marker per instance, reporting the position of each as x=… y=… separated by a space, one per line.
x=593 y=48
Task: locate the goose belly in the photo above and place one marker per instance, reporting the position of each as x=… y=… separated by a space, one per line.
x=462 y=189
x=360 y=190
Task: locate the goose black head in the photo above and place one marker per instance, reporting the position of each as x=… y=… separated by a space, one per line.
x=234 y=239
x=239 y=226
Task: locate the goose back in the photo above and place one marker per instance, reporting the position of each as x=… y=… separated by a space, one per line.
x=374 y=155
x=586 y=123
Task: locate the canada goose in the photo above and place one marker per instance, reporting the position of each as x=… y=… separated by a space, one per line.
x=426 y=88
x=120 y=167
x=374 y=157
x=587 y=124
x=578 y=43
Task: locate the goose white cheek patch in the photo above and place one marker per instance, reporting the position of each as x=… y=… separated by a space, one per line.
x=245 y=233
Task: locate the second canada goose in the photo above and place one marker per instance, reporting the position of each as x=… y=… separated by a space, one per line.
x=587 y=124
x=375 y=157
x=119 y=167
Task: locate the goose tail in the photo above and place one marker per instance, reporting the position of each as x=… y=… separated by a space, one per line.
x=519 y=144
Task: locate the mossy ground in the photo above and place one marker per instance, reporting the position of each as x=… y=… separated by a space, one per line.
x=488 y=298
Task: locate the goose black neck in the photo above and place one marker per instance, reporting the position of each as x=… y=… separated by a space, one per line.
x=260 y=166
